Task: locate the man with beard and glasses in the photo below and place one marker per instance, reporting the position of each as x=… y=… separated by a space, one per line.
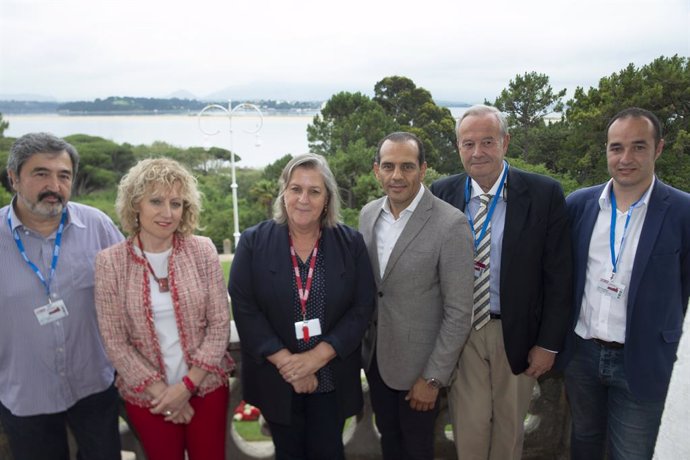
x=53 y=368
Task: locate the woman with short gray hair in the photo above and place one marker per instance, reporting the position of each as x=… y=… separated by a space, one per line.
x=302 y=293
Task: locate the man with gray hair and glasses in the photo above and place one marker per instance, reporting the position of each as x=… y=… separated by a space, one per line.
x=53 y=368
x=522 y=286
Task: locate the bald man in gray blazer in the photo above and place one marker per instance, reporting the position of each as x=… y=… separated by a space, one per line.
x=421 y=252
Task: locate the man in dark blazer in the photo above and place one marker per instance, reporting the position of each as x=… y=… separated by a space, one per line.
x=631 y=286
x=522 y=288
x=421 y=253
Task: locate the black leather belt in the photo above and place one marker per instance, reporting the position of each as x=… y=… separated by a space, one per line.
x=495 y=315
x=612 y=345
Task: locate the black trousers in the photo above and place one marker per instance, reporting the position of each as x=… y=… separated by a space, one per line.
x=406 y=434
x=315 y=431
x=93 y=420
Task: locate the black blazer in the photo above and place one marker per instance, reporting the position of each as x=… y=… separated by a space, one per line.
x=261 y=291
x=536 y=266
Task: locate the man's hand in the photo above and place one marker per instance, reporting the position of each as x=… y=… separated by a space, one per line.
x=540 y=361
x=422 y=396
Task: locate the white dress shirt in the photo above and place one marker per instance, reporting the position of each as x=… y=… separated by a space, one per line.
x=601 y=316
x=388 y=229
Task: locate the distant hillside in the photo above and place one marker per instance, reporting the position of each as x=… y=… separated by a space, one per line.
x=142 y=106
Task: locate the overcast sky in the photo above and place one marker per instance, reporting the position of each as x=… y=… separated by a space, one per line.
x=310 y=49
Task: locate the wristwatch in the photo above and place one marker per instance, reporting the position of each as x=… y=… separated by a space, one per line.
x=434 y=383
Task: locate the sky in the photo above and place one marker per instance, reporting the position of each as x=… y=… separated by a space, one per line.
x=311 y=49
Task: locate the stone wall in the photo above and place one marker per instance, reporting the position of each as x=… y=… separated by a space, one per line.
x=546 y=427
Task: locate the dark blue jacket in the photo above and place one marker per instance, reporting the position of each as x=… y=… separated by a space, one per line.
x=658 y=290
x=262 y=297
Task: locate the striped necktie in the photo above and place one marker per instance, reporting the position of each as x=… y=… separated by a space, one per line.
x=481 y=283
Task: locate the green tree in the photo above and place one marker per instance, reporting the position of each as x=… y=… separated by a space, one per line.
x=264 y=192
x=102 y=163
x=273 y=170
x=345 y=118
x=5 y=197
x=348 y=166
x=528 y=98
x=414 y=110
x=195 y=158
x=663 y=87
x=4 y=124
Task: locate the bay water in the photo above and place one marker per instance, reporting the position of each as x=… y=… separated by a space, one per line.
x=278 y=134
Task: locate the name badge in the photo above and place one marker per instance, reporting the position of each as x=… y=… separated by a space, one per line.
x=307 y=329
x=479 y=268
x=610 y=288
x=51 y=312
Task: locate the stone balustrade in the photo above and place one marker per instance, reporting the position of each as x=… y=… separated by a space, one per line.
x=546 y=427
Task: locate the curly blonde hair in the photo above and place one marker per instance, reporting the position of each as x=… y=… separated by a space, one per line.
x=156 y=174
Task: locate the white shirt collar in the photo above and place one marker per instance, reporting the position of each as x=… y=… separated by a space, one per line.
x=477 y=189
x=605 y=197
x=385 y=207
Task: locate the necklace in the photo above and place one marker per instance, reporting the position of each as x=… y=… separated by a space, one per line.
x=163 y=284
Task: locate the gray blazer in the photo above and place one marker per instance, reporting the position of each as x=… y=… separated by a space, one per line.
x=424 y=299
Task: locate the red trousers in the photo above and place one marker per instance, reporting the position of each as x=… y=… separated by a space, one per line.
x=203 y=438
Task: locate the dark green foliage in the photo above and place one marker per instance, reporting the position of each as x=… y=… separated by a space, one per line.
x=272 y=171
x=4 y=124
x=350 y=126
x=528 y=98
x=413 y=110
x=663 y=87
x=346 y=118
x=102 y=163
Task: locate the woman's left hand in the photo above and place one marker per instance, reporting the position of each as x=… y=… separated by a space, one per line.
x=300 y=365
x=171 y=400
x=184 y=415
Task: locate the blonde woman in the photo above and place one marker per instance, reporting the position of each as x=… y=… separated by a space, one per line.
x=164 y=317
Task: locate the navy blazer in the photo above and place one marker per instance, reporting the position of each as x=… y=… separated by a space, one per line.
x=536 y=265
x=658 y=290
x=261 y=291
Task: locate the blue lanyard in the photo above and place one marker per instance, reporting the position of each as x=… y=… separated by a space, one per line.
x=612 y=235
x=494 y=200
x=56 y=251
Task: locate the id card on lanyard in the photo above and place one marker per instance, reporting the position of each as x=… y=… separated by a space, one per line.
x=55 y=309
x=608 y=285
x=306 y=328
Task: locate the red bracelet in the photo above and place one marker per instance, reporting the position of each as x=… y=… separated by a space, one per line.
x=189 y=384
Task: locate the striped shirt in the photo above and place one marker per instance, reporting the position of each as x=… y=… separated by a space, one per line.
x=47 y=369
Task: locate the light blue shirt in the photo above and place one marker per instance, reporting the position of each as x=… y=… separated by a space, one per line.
x=498 y=220
x=47 y=369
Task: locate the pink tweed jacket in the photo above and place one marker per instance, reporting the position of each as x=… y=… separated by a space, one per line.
x=125 y=318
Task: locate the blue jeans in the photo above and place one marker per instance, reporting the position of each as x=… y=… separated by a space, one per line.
x=603 y=408
x=93 y=420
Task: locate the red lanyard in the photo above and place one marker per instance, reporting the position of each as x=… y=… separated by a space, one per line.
x=304 y=293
